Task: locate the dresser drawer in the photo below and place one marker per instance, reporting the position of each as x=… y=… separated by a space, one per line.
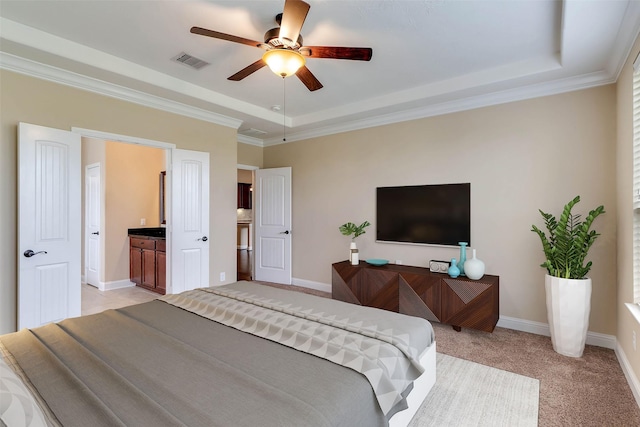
x=143 y=243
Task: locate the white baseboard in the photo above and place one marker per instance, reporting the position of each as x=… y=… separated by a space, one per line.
x=318 y=286
x=593 y=338
x=633 y=381
x=117 y=284
x=108 y=286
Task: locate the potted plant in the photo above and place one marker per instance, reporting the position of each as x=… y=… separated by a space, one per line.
x=350 y=229
x=567 y=287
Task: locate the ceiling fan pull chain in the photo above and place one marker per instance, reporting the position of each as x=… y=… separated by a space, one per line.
x=284 y=110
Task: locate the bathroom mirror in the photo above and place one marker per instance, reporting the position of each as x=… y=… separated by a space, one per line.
x=163 y=179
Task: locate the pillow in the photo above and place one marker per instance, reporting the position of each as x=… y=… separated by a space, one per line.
x=17 y=405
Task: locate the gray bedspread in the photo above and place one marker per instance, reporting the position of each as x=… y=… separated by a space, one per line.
x=154 y=364
x=385 y=348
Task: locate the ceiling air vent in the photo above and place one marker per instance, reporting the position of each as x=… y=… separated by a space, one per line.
x=191 y=61
x=256 y=133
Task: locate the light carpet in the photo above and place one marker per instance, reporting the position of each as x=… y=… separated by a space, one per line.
x=470 y=394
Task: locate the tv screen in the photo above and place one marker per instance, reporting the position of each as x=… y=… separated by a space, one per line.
x=424 y=214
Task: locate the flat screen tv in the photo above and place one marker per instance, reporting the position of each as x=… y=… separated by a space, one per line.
x=424 y=214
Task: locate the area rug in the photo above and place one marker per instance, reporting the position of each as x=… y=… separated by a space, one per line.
x=470 y=394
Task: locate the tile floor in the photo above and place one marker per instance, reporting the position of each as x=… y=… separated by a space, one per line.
x=96 y=301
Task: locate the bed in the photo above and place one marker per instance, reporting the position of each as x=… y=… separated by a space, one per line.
x=237 y=355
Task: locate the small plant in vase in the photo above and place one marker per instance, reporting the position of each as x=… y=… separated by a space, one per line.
x=352 y=230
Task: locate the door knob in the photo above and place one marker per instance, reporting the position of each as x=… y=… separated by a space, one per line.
x=29 y=253
x=284 y=232
x=97 y=233
x=203 y=238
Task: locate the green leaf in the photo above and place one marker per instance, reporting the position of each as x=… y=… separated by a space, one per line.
x=568 y=241
x=350 y=228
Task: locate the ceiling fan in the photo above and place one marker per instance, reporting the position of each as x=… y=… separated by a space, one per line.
x=285 y=54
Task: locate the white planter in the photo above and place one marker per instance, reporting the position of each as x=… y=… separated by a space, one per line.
x=568 y=307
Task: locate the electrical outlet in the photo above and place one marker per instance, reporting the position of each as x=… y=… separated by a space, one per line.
x=399 y=261
x=222 y=278
x=143 y=221
x=633 y=339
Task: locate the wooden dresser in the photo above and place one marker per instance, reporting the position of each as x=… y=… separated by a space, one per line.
x=416 y=291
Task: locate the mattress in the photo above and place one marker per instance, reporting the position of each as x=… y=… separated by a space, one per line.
x=161 y=364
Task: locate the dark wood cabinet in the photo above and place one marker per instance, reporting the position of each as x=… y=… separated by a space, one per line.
x=149 y=268
x=244 y=196
x=135 y=264
x=416 y=291
x=146 y=269
x=161 y=267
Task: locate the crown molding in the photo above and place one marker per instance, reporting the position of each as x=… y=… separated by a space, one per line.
x=629 y=31
x=463 y=104
x=73 y=51
x=57 y=75
x=244 y=139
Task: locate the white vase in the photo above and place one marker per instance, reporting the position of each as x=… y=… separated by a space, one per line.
x=568 y=308
x=474 y=268
x=352 y=247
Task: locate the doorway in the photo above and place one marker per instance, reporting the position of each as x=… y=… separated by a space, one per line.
x=186 y=195
x=245 y=222
x=54 y=174
x=125 y=194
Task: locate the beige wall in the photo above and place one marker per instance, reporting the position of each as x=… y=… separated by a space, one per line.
x=250 y=155
x=624 y=152
x=518 y=157
x=132 y=192
x=26 y=99
x=245 y=176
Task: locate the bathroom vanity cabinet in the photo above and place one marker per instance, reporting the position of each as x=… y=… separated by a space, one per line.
x=147 y=262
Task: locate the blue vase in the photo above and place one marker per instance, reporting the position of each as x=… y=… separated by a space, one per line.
x=463 y=256
x=453 y=270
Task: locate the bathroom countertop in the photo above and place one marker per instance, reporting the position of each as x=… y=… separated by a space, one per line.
x=158 y=232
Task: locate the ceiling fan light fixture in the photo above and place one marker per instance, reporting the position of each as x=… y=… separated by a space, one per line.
x=283 y=62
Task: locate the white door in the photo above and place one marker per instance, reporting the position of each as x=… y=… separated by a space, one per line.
x=48 y=225
x=189 y=220
x=92 y=238
x=272 y=198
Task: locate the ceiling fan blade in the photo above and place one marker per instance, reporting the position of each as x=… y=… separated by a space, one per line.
x=354 y=53
x=308 y=79
x=247 y=70
x=293 y=16
x=223 y=36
